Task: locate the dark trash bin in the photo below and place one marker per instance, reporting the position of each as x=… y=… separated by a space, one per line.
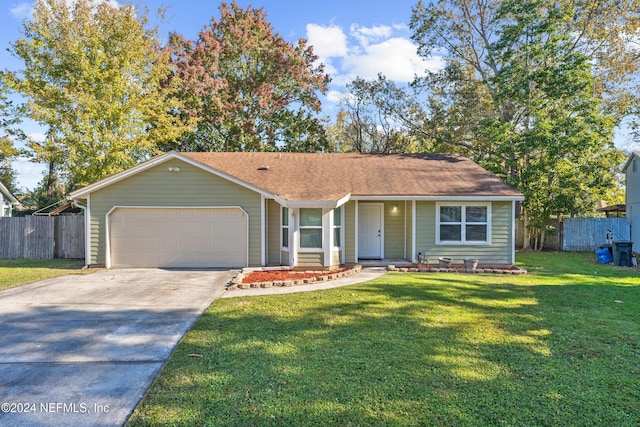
x=622 y=253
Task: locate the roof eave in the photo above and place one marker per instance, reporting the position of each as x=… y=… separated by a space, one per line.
x=304 y=203
x=626 y=164
x=8 y=195
x=467 y=198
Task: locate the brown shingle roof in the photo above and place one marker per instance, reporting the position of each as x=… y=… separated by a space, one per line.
x=331 y=176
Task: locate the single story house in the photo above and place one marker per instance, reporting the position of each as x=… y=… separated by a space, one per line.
x=8 y=201
x=305 y=210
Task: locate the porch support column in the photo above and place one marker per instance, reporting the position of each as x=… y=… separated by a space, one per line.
x=294 y=234
x=413 y=230
x=355 y=233
x=263 y=231
x=327 y=236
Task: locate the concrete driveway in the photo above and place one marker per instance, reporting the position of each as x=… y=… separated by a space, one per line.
x=82 y=350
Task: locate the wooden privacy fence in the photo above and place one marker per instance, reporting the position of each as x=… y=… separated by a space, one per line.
x=579 y=234
x=587 y=234
x=42 y=237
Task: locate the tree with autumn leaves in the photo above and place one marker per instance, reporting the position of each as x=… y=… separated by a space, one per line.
x=247 y=88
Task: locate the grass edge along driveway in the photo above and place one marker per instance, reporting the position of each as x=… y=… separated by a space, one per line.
x=560 y=346
x=17 y=272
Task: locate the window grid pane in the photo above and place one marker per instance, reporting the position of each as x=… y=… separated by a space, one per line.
x=476 y=233
x=476 y=214
x=451 y=233
x=311 y=238
x=310 y=217
x=450 y=214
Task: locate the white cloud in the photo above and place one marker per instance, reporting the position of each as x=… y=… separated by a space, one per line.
x=367 y=52
x=396 y=58
x=367 y=35
x=328 y=42
x=334 y=96
x=37 y=136
x=22 y=10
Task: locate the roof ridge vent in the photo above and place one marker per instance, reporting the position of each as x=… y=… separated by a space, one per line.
x=263 y=168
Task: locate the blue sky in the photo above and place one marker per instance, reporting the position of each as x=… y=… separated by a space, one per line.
x=353 y=38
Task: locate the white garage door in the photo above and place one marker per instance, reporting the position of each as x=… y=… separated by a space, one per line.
x=178 y=237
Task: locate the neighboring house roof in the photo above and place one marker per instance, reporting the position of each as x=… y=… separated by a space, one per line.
x=631 y=156
x=334 y=176
x=7 y=194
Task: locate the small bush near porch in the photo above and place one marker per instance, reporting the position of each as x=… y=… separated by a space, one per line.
x=560 y=346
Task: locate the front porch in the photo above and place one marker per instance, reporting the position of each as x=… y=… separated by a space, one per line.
x=398 y=262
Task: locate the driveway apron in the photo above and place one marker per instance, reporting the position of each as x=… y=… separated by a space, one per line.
x=83 y=349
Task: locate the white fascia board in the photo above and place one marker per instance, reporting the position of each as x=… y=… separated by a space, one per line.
x=10 y=197
x=441 y=198
x=83 y=192
x=327 y=204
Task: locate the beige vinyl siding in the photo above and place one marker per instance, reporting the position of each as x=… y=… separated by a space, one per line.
x=273 y=233
x=393 y=230
x=310 y=259
x=499 y=252
x=335 y=258
x=349 y=230
x=158 y=186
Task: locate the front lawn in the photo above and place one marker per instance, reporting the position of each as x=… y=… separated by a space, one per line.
x=560 y=346
x=15 y=272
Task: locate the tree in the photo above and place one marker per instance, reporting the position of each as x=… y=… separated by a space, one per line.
x=523 y=93
x=92 y=75
x=8 y=118
x=248 y=88
x=367 y=120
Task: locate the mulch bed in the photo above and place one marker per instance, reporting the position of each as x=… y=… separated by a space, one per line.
x=281 y=275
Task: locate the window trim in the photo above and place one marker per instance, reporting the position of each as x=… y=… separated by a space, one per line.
x=337 y=245
x=283 y=227
x=463 y=224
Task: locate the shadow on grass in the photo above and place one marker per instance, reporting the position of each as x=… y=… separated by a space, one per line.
x=407 y=350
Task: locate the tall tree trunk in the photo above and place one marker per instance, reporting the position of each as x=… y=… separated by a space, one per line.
x=526 y=244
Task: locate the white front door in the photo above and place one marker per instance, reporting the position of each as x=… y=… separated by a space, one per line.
x=370 y=230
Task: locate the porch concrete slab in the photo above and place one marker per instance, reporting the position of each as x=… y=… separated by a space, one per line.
x=82 y=350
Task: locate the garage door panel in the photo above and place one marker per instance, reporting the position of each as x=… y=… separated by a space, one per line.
x=178 y=237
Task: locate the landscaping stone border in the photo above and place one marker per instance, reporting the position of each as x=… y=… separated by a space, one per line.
x=422 y=268
x=236 y=282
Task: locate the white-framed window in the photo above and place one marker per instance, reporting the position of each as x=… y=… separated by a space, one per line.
x=463 y=223
x=284 y=228
x=337 y=227
x=311 y=228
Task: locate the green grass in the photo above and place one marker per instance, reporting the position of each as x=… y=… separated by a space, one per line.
x=16 y=272
x=547 y=349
